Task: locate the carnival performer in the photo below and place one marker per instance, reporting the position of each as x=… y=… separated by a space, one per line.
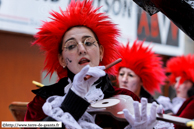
x=181 y=69
x=79 y=42
x=140 y=71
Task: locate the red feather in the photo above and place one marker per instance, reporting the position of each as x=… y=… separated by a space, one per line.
x=145 y=63
x=181 y=66
x=77 y=13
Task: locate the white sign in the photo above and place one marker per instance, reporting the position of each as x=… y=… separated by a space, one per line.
x=25 y=16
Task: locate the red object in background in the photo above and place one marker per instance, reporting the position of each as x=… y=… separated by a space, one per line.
x=180 y=12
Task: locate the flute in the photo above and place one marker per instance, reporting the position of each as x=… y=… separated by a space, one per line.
x=87 y=76
x=106 y=67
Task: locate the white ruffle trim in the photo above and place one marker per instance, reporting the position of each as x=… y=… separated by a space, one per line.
x=52 y=108
x=164 y=125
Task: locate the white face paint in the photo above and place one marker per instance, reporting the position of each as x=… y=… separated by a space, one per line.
x=129 y=80
x=182 y=89
x=75 y=60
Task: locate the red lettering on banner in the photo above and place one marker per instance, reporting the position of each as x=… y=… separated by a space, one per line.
x=149 y=28
x=154 y=26
x=143 y=23
x=174 y=29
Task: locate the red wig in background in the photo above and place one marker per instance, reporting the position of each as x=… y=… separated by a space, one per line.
x=181 y=66
x=145 y=63
x=77 y=13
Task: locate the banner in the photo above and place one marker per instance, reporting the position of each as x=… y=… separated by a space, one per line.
x=26 y=16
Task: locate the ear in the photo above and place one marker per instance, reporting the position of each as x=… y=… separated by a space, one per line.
x=101 y=52
x=141 y=82
x=61 y=60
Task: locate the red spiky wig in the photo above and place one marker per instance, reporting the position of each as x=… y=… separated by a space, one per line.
x=77 y=14
x=181 y=66
x=145 y=63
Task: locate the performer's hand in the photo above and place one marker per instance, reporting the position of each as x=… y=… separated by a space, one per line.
x=81 y=86
x=52 y=108
x=165 y=102
x=142 y=120
x=51 y=103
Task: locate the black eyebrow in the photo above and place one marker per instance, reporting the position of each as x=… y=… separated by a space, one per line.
x=69 y=39
x=84 y=37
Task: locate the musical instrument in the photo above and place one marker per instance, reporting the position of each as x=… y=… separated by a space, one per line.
x=106 y=67
x=38 y=84
x=114 y=106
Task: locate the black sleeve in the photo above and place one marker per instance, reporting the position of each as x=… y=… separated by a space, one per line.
x=74 y=104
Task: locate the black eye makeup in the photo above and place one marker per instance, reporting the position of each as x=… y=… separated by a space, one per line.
x=131 y=75
x=121 y=74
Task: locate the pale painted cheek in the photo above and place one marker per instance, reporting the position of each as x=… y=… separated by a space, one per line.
x=71 y=61
x=182 y=88
x=133 y=86
x=183 y=91
x=94 y=57
x=119 y=80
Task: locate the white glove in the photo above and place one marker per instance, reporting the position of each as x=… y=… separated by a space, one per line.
x=51 y=103
x=142 y=120
x=66 y=118
x=52 y=108
x=81 y=86
x=165 y=102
